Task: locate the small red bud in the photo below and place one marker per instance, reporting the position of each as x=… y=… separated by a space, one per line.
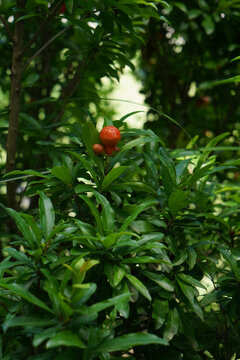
x=98 y=149
x=62 y=9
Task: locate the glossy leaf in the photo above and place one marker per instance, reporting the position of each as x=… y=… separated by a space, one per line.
x=159 y=279
x=125 y=342
x=47 y=215
x=139 y=286
x=113 y=175
x=65 y=338
x=25 y=294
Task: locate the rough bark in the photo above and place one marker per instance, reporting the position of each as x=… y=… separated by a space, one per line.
x=14 y=107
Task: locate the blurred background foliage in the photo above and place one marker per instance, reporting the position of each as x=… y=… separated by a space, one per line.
x=180 y=62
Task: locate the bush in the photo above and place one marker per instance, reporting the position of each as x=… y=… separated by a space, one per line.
x=130 y=256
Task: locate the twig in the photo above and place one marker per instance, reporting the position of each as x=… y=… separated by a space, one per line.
x=45 y=45
x=7 y=27
x=43 y=25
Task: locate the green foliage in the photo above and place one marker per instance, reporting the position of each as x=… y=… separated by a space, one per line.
x=116 y=262
x=181 y=62
x=134 y=255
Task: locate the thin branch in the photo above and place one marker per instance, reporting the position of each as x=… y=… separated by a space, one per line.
x=45 y=45
x=7 y=27
x=43 y=25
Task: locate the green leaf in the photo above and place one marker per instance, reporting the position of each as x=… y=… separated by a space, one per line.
x=159 y=279
x=118 y=274
x=25 y=294
x=47 y=215
x=172 y=325
x=23 y=227
x=31 y=78
x=168 y=163
x=106 y=303
x=234 y=79
x=30 y=321
x=188 y=292
x=160 y=310
x=235 y=59
x=140 y=208
x=65 y=338
x=208 y=24
x=17 y=254
x=90 y=136
x=142 y=260
x=139 y=286
x=122 y=306
x=135 y=185
x=87 y=166
x=113 y=175
x=190 y=280
x=43 y=335
x=137 y=142
x=26 y=172
x=62 y=173
x=107 y=214
x=231 y=261
x=177 y=200
x=128 y=341
x=94 y=211
x=69 y=5
x=192 y=258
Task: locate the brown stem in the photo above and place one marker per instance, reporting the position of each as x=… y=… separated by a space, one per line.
x=45 y=45
x=7 y=27
x=14 y=106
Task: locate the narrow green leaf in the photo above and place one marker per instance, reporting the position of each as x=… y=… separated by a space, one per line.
x=107 y=214
x=128 y=341
x=142 y=260
x=172 y=325
x=139 y=141
x=159 y=279
x=140 y=208
x=62 y=173
x=87 y=166
x=26 y=172
x=160 y=310
x=139 y=286
x=231 y=261
x=190 y=280
x=43 y=335
x=25 y=294
x=23 y=227
x=30 y=321
x=65 y=338
x=234 y=59
x=94 y=212
x=192 y=257
x=107 y=303
x=113 y=175
x=47 y=215
x=135 y=185
x=90 y=136
x=188 y=292
x=118 y=275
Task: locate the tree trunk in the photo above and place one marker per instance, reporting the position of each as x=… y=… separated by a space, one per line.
x=16 y=77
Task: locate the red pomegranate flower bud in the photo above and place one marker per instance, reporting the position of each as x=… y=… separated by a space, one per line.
x=110 y=136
